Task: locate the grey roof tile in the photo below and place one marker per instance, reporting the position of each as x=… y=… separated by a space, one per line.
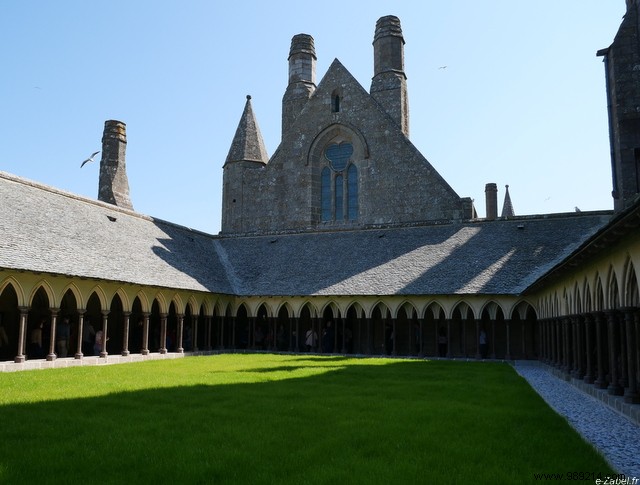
x=47 y=230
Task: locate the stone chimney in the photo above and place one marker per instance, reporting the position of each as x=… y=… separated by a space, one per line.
x=302 y=78
x=389 y=83
x=491 y=196
x=113 y=186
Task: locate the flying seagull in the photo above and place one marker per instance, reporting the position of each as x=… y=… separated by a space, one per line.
x=90 y=159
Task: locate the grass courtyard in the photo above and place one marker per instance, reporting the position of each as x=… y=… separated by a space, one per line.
x=283 y=419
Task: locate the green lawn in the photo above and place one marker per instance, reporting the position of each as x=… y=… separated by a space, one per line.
x=282 y=419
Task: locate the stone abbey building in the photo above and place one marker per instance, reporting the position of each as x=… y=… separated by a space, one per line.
x=346 y=240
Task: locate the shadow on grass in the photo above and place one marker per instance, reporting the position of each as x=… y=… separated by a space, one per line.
x=402 y=422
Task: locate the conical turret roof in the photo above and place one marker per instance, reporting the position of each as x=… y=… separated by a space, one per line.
x=247 y=144
x=507 y=207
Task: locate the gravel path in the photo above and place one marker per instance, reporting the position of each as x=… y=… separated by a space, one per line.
x=617 y=437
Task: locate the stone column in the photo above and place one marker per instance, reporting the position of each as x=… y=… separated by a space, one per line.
x=274 y=335
x=562 y=344
x=22 y=333
x=52 y=341
x=194 y=331
x=612 y=324
x=163 y=333
x=493 y=339
x=81 y=313
x=507 y=325
x=463 y=323
x=543 y=342
x=573 y=325
x=622 y=358
x=179 y=347
x=580 y=347
x=296 y=347
x=588 y=321
x=233 y=333
x=421 y=339
x=368 y=348
x=631 y=392
x=549 y=340
x=449 y=338
x=125 y=338
x=105 y=322
x=478 y=355
x=145 y=335
x=599 y=322
x=550 y=346
x=208 y=345
x=553 y=338
x=394 y=333
x=344 y=343
x=251 y=340
x=221 y=320
x=566 y=364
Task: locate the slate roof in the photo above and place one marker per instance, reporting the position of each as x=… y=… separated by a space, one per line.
x=47 y=230
x=497 y=257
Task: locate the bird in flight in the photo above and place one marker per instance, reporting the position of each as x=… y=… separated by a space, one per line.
x=90 y=159
x=442 y=67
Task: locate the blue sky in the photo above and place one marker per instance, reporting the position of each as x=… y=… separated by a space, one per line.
x=521 y=101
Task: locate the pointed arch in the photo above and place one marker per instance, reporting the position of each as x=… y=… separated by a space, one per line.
x=311 y=309
x=436 y=309
x=46 y=287
x=492 y=308
x=599 y=300
x=408 y=307
x=630 y=289
x=613 y=293
x=11 y=282
x=586 y=291
x=145 y=305
x=466 y=311
x=577 y=300
x=163 y=306
x=101 y=295
x=180 y=305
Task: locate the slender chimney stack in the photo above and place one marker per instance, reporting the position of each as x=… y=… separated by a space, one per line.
x=389 y=83
x=491 y=195
x=113 y=186
x=302 y=78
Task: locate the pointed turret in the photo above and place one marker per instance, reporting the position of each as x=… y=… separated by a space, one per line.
x=247 y=145
x=246 y=156
x=507 y=206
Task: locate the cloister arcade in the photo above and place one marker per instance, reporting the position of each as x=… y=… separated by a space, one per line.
x=589 y=326
x=143 y=320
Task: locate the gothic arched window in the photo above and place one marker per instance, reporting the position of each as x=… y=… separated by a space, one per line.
x=352 y=192
x=339 y=197
x=325 y=194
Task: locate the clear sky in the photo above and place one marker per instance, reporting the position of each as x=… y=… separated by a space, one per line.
x=521 y=100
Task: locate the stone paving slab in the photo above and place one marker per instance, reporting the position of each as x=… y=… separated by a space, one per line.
x=615 y=435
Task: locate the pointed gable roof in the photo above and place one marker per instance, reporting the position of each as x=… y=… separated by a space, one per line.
x=248 y=144
x=507 y=206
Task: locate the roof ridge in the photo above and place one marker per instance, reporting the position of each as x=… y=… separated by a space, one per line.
x=105 y=205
